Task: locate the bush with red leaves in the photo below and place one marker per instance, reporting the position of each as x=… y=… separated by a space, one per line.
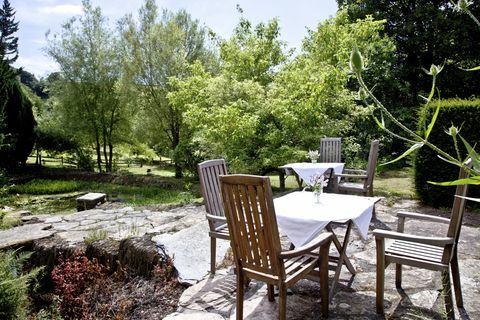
x=71 y=278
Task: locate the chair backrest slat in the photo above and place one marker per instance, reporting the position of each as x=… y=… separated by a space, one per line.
x=248 y=206
x=372 y=163
x=208 y=172
x=331 y=150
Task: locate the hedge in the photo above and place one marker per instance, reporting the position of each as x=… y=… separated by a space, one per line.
x=464 y=114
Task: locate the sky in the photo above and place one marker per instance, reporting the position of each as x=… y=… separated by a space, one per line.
x=36 y=17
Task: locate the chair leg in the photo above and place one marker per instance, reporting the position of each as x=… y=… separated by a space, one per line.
x=456 y=281
x=282 y=301
x=270 y=292
x=447 y=292
x=213 y=254
x=239 y=294
x=380 y=243
x=398 y=275
x=323 y=268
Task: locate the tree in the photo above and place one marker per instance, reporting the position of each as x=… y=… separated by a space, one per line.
x=8 y=26
x=88 y=103
x=16 y=118
x=253 y=53
x=157 y=49
x=229 y=113
x=424 y=32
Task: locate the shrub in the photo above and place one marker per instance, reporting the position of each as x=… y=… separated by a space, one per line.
x=463 y=114
x=71 y=278
x=14 y=285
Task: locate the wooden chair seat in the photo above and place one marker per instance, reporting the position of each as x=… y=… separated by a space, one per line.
x=423 y=255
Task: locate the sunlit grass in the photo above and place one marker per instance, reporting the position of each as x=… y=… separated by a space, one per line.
x=58 y=196
x=398 y=183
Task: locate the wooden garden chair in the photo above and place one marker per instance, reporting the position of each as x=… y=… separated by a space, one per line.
x=432 y=253
x=331 y=150
x=345 y=182
x=208 y=172
x=256 y=245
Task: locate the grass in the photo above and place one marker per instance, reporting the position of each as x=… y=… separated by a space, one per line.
x=396 y=183
x=58 y=196
x=95 y=235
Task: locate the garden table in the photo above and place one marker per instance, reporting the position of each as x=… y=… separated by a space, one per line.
x=305 y=171
x=301 y=219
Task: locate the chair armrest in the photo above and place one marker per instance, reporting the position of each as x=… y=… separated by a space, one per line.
x=345 y=175
x=324 y=238
x=419 y=216
x=355 y=171
x=216 y=218
x=434 y=241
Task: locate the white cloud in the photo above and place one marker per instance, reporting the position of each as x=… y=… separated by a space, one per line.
x=64 y=9
x=41 y=66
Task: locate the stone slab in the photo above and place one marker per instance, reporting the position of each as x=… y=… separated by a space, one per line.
x=24 y=234
x=190 y=249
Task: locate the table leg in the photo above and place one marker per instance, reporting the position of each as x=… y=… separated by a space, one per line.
x=281 y=177
x=342 y=250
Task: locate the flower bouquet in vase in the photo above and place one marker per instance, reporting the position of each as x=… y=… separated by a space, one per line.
x=318 y=183
x=313 y=155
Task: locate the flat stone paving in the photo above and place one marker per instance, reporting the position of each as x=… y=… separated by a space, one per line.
x=184 y=232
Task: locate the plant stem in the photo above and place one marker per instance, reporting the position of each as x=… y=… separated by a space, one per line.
x=401 y=125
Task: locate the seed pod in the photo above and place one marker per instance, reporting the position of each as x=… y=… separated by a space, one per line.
x=453 y=131
x=356 y=61
x=463 y=4
x=362 y=94
x=435 y=70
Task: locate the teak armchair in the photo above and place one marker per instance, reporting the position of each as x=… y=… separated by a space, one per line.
x=366 y=176
x=208 y=172
x=256 y=245
x=331 y=150
x=432 y=253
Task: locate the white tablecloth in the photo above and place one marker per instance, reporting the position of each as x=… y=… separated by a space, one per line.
x=302 y=220
x=307 y=170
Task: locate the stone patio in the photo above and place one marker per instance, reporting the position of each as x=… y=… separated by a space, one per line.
x=183 y=232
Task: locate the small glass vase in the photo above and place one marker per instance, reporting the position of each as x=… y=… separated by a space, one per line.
x=316 y=196
x=314 y=160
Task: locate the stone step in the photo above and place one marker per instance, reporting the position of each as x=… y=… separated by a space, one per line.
x=190 y=250
x=24 y=235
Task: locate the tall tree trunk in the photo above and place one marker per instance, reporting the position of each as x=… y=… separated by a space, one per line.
x=99 y=154
x=110 y=156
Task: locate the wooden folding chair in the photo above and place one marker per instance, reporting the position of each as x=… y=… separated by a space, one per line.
x=432 y=253
x=256 y=245
x=365 y=187
x=208 y=172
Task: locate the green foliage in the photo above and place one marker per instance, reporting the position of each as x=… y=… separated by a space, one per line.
x=253 y=53
x=463 y=114
x=18 y=128
x=258 y=125
x=40 y=186
x=8 y=26
x=14 y=285
x=425 y=32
